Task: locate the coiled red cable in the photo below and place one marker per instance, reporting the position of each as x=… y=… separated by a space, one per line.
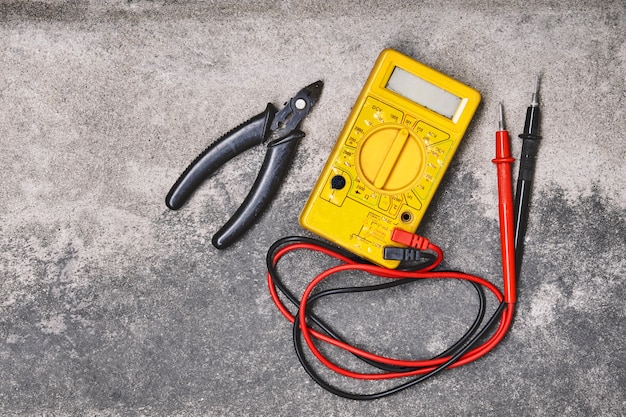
x=421 y=366
x=467 y=350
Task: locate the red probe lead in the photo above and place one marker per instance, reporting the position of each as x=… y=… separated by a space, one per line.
x=503 y=160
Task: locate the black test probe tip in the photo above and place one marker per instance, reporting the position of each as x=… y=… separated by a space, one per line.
x=531 y=139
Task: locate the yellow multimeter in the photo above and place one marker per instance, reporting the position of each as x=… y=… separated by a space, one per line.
x=390 y=156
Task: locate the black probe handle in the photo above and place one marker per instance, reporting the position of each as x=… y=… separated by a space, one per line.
x=275 y=165
x=527 y=158
x=250 y=133
x=531 y=139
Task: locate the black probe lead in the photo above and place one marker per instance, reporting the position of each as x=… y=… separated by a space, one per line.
x=530 y=143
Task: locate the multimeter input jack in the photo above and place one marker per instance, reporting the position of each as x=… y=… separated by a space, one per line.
x=406 y=217
x=337 y=182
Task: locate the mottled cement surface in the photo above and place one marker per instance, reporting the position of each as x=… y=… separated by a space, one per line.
x=110 y=304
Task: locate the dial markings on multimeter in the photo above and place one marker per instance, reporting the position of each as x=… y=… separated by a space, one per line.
x=390 y=156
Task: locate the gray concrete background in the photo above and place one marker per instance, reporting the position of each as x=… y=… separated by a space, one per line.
x=110 y=304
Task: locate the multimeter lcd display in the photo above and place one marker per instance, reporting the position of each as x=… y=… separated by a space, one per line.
x=390 y=156
x=422 y=92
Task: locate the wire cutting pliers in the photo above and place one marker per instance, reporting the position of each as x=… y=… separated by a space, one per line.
x=279 y=129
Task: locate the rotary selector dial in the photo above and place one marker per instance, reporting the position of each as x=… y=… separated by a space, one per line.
x=390 y=158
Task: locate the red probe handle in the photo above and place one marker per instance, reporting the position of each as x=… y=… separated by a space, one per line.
x=503 y=161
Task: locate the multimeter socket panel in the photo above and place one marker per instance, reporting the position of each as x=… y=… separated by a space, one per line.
x=390 y=156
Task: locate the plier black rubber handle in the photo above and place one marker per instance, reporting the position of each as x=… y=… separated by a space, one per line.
x=277 y=127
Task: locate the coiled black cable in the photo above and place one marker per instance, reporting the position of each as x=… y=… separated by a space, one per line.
x=454 y=352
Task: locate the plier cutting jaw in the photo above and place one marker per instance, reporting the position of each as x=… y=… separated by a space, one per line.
x=279 y=129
